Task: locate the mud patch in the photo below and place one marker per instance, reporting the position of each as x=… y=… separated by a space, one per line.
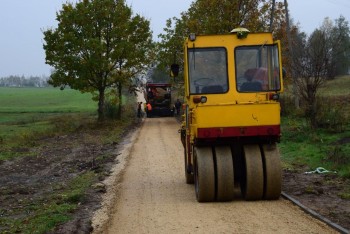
x=323 y=193
x=34 y=179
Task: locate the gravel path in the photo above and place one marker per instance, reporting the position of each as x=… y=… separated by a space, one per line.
x=152 y=196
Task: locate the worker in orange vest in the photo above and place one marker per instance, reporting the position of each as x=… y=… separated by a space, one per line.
x=149 y=110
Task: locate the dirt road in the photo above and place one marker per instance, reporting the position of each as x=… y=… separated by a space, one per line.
x=152 y=196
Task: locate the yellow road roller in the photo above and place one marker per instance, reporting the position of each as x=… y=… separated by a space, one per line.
x=231 y=121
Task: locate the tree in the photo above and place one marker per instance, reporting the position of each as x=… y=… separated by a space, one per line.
x=159 y=76
x=215 y=17
x=171 y=45
x=340 y=37
x=97 y=45
x=220 y=17
x=314 y=62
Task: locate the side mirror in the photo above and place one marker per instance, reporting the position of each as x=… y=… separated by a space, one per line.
x=174 y=70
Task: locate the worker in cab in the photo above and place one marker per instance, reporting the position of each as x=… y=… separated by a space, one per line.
x=251 y=85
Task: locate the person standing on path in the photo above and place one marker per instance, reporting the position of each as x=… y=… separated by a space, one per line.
x=149 y=110
x=177 y=106
x=139 y=106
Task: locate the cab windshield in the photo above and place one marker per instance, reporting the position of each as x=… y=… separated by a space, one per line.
x=257 y=68
x=207 y=70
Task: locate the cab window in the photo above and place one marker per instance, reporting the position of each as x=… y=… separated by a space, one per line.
x=207 y=70
x=257 y=68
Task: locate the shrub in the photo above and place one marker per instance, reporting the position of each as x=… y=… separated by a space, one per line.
x=128 y=106
x=337 y=155
x=111 y=110
x=287 y=105
x=331 y=114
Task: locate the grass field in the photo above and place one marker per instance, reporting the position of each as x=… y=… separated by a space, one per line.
x=38 y=128
x=340 y=86
x=29 y=112
x=311 y=148
x=44 y=100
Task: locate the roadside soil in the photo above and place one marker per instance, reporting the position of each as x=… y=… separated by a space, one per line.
x=321 y=193
x=141 y=185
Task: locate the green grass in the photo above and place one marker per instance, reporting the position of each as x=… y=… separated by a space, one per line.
x=337 y=87
x=303 y=147
x=54 y=210
x=44 y=100
x=30 y=114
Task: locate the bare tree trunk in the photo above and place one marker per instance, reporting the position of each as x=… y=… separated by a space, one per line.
x=119 y=112
x=101 y=105
x=290 y=46
x=312 y=105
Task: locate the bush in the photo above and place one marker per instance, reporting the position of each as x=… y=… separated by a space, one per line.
x=111 y=110
x=287 y=105
x=336 y=155
x=128 y=106
x=331 y=114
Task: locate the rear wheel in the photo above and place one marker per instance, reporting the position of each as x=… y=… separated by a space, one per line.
x=204 y=174
x=225 y=173
x=253 y=181
x=273 y=172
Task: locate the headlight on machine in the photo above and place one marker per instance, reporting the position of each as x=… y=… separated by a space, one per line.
x=274 y=96
x=200 y=99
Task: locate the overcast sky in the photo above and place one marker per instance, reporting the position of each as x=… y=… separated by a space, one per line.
x=22 y=22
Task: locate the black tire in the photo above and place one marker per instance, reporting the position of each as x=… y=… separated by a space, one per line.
x=273 y=172
x=204 y=174
x=188 y=175
x=225 y=173
x=253 y=181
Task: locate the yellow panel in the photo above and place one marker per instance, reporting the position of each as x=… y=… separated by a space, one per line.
x=236 y=115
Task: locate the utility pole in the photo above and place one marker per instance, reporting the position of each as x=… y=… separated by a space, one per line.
x=290 y=47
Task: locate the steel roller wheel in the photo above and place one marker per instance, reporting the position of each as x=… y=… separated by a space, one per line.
x=273 y=172
x=188 y=175
x=204 y=174
x=253 y=184
x=225 y=175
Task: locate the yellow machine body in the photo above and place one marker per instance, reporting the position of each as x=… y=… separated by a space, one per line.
x=232 y=115
x=233 y=108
